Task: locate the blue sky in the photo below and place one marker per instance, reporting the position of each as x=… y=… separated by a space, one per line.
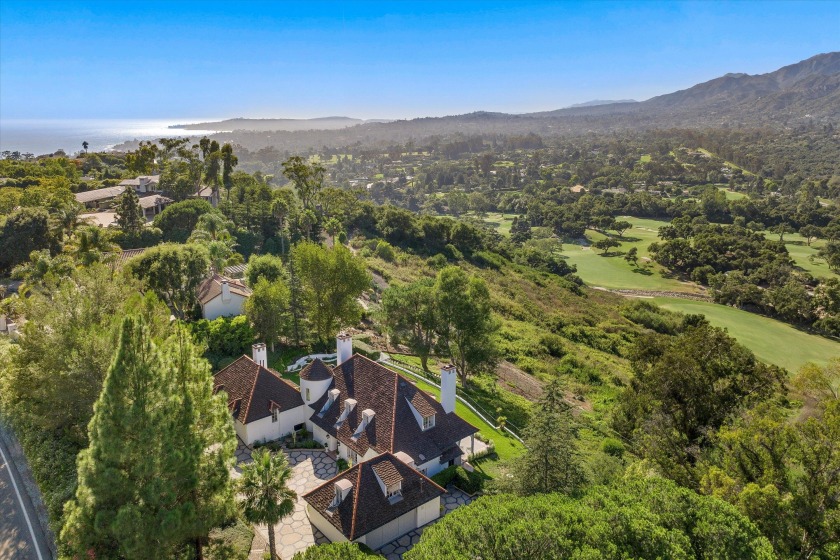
x=183 y=60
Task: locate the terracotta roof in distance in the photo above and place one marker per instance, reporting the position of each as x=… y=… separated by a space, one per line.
x=212 y=288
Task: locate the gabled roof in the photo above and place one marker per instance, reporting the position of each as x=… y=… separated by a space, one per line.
x=394 y=428
x=99 y=194
x=211 y=288
x=316 y=371
x=253 y=390
x=367 y=507
x=153 y=200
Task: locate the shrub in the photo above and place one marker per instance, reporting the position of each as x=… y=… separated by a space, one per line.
x=342 y=465
x=612 y=446
x=438 y=261
x=469 y=482
x=230 y=542
x=486 y=259
x=452 y=253
x=385 y=251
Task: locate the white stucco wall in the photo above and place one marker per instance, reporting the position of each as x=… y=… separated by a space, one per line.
x=401 y=525
x=327 y=528
x=431 y=467
x=316 y=390
x=266 y=430
x=217 y=308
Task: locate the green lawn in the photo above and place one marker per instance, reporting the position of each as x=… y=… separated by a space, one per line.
x=732 y=195
x=771 y=340
x=800 y=252
x=499 y=221
x=613 y=271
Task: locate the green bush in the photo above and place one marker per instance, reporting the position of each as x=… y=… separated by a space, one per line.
x=469 y=482
x=385 y=251
x=230 y=542
x=342 y=465
x=612 y=446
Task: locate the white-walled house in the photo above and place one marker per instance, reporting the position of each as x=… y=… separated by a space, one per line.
x=220 y=296
x=374 y=502
x=264 y=405
x=387 y=429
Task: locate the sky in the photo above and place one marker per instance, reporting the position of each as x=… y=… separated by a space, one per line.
x=189 y=61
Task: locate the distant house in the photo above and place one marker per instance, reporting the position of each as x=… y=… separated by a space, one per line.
x=207 y=193
x=578 y=189
x=221 y=296
x=153 y=205
x=143 y=183
x=374 y=502
x=99 y=198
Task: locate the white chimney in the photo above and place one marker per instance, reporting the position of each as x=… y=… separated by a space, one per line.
x=260 y=354
x=225 y=291
x=448 y=377
x=344 y=347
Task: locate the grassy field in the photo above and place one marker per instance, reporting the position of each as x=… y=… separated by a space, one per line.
x=732 y=195
x=800 y=252
x=772 y=341
x=613 y=271
x=499 y=221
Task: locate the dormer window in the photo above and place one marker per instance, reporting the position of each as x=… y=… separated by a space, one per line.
x=428 y=422
x=273 y=414
x=395 y=491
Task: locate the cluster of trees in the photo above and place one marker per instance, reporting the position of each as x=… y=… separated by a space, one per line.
x=704 y=412
x=746 y=269
x=450 y=315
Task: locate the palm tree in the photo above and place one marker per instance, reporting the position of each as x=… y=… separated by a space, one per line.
x=265 y=496
x=85 y=145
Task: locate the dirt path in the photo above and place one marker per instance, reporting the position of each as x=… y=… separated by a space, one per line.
x=655 y=293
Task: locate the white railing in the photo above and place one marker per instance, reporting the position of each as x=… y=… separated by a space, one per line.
x=302 y=362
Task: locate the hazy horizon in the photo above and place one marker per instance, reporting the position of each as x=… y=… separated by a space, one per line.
x=369 y=60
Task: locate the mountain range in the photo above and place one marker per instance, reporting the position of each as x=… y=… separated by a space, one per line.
x=804 y=93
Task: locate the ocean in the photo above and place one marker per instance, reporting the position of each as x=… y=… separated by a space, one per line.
x=47 y=136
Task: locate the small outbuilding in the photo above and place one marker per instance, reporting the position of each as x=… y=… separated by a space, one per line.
x=221 y=296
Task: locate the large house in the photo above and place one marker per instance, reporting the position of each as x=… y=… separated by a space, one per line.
x=393 y=434
x=220 y=296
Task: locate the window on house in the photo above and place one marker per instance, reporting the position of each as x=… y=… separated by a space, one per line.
x=428 y=422
x=307 y=394
x=395 y=490
x=274 y=415
x=354 y=457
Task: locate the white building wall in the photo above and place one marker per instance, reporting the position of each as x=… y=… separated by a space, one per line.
x=241 y=430
x=432 y=467
x=428 y=512
x=316 y=390
x=327 y=528
x=266 y=430
x=217 y=308
x=394 y=529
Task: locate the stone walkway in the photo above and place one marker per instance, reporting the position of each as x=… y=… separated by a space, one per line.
x=295 y=533
x=451 y=501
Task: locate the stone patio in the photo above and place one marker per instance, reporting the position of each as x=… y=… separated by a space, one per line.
x=294 y=533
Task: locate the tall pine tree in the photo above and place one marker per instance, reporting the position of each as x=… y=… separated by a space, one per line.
x=155 y=477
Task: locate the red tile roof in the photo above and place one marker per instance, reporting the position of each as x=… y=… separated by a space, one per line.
x=212 y=288
x=253 y=390
x=394 y=428
x=367 y=507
